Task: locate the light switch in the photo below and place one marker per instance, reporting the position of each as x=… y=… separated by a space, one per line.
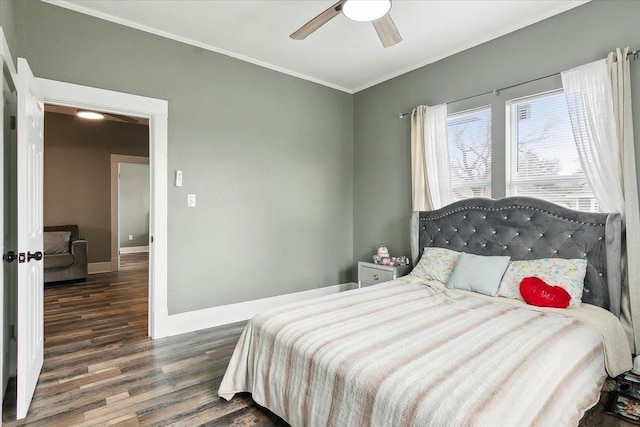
x=178 y=178
x=191 y=200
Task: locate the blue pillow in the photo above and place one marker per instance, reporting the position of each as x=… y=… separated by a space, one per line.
x=478 y=273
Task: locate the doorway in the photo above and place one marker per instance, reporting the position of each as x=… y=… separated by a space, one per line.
x=78 y=184
x=155 y=110
x=77 y=197
x=129 y=209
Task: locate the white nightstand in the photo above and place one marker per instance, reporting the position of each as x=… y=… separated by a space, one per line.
x=372 y=274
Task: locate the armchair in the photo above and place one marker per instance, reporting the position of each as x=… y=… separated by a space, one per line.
x=65 y=256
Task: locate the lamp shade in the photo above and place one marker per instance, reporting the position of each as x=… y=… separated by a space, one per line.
x=365 y=10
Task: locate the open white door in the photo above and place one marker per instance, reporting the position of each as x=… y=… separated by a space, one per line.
x=2 y=142
x=2 y=231
x=30 y=322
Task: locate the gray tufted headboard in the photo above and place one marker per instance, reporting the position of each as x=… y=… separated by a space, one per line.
x=527 y=228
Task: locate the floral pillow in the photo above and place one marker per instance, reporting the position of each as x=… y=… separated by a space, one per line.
x=436 y=264
x=566 y=273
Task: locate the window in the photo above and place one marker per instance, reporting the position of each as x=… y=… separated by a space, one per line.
x=469 y=142
x=542 y=158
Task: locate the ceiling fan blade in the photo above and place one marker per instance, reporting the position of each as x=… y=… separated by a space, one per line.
x=122 y=118
x=387 y=31
x=317 y=22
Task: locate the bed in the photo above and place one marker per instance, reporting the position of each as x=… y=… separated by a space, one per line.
x=414 y=352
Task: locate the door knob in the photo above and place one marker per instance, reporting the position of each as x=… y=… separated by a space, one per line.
x=10 y=256
x=37 y=256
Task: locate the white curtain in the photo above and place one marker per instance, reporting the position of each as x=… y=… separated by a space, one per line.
x=430 y=180
x=620 y=74
x=588 y=92
x=599 y=100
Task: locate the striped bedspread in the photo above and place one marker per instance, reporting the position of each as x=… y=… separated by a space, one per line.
x=408 y=354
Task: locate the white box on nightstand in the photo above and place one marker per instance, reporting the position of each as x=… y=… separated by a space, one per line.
x=372 y=274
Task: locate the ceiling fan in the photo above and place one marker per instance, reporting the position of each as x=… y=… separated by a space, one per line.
x=374 y=11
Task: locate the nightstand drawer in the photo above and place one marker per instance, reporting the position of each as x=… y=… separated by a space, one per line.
x=372 y=275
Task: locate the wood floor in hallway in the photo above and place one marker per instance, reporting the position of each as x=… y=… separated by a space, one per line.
x=101 y=369
x=134 y=261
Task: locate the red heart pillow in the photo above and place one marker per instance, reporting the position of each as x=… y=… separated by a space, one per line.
x=536 y=292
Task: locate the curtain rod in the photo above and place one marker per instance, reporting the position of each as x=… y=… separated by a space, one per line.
x=635 y=53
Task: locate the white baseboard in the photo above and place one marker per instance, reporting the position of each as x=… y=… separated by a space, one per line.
x=216 y=316
x=99 y=267
x=134 y=249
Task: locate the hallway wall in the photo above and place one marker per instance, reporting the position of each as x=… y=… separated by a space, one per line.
x=77 y=174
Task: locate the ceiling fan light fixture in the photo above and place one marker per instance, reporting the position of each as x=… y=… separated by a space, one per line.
x=91 y=115
x=365 y=10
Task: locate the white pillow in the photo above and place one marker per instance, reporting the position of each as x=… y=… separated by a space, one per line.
x=566 y=273
x=478 y=273
x=436 y=264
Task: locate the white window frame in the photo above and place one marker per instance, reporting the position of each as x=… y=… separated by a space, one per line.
x=510 y=147
x=488 y=183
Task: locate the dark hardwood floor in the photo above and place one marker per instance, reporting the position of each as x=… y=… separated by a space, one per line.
x=134 y=261
x=101 y=369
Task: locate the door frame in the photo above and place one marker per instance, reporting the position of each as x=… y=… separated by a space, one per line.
x=8 y=70
x=116 y=160
x=156 y=110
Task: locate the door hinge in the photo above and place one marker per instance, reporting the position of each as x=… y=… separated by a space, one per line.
x=13 y=122
x=151 y=237
x=12 y=332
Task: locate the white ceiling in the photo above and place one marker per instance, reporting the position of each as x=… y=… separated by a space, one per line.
x=343 y=54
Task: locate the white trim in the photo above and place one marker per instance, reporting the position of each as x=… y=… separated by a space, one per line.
x=116 y=160
x=7 y=59
x=156 y=110
x=109 y=101
x=186 y=40
x=225 y=314
x=99 y=267
x=134 y=249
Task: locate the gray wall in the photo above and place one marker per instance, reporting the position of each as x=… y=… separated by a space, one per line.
x=315 y=179
x=269 y=156
x=77 y=174
x=7 y=24
x=133 y=204
x=382 y=172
